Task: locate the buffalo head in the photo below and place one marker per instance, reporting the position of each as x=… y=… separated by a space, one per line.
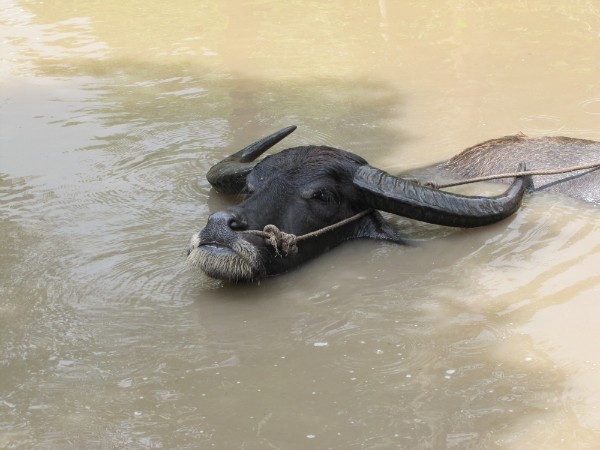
x=303 y=189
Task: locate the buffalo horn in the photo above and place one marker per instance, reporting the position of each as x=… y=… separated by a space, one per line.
x=409 y=199
x=229 y=175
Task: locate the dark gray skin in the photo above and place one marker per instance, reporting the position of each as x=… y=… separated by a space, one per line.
x=303 y=189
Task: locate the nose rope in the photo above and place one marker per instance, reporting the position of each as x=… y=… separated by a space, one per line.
x=287 y=243
x=497 y=176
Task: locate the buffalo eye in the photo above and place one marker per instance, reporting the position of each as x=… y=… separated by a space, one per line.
x=324 y=196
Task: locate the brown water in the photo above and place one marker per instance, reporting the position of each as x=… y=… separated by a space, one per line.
x=110 y=115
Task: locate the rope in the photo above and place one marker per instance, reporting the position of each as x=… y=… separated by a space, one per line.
x=514 y=174
x=288 y=243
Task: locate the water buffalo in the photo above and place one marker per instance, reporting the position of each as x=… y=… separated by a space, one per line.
x=303 y=189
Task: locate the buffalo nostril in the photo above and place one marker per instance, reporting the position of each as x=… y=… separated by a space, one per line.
x=237 y=223
x=230 y=219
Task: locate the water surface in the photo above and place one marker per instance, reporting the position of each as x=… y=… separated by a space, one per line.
x=112 y=112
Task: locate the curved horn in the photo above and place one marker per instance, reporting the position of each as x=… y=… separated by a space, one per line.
x=409 y=199
x=229 y=175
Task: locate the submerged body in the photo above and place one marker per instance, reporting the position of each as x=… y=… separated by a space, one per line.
x=304 y=189
x=503 y=154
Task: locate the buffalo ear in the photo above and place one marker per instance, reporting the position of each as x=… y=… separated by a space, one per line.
x=229 y=175
x=374 y=226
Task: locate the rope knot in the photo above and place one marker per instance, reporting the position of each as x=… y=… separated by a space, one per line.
x=287 y=243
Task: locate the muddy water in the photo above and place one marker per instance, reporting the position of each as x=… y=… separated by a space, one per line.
x=112 y=112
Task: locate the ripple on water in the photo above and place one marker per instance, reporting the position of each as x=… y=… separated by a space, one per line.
x=160 y=144
x=130 y=220
x=542 y=124
x=542 y=246
x=591 y=106
x=371 y=340
x=17 y=197
x=139 y=262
